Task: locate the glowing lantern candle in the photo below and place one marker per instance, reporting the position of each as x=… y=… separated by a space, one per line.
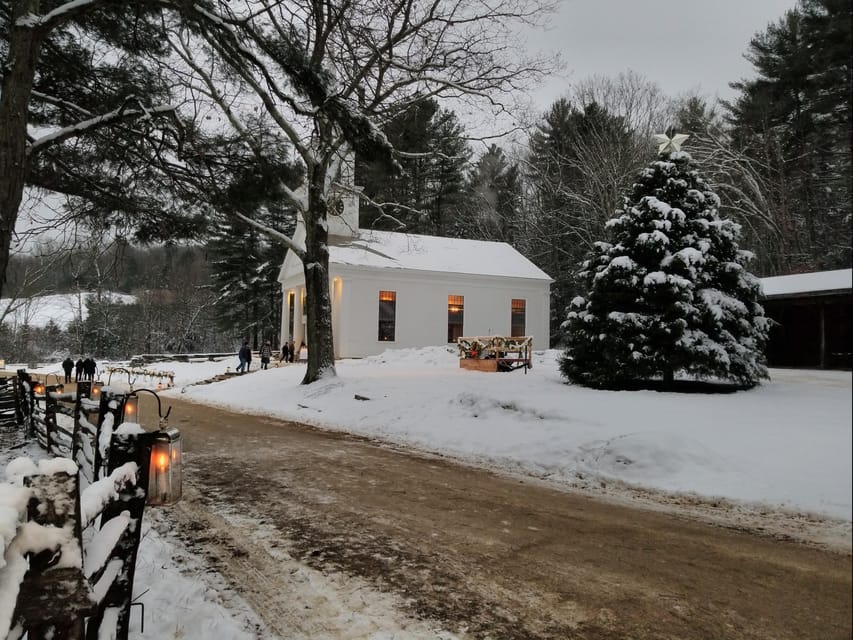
x=131 y=408
x=164 y=471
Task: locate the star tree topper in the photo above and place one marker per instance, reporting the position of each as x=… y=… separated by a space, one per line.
x=669 y=144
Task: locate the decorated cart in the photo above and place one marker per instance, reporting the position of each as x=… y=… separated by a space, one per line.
x=495 y=353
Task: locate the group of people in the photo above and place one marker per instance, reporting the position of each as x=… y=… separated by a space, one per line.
x=84 y=369
x=287 y=353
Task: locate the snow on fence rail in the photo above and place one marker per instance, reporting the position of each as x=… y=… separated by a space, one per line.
x=70 y=526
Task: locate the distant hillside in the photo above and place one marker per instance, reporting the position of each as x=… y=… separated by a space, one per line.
x=62 y=308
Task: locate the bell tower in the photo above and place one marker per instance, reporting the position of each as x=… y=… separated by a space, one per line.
x=343 y=209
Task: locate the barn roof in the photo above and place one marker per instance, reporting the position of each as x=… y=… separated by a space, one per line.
x=838 y=281
x=391 y=250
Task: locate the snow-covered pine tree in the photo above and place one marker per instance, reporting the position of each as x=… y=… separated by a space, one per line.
x=670 y=293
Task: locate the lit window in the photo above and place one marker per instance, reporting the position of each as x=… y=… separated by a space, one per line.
x=455 y=317
x=291 y=308
x=517 y=319
x=387 y=315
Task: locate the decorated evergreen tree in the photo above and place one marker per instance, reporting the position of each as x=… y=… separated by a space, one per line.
x=670 y=293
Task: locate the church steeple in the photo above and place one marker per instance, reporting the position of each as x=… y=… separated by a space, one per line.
x=343 y=212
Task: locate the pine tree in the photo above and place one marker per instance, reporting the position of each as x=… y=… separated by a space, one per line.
x=670 y=293
x=795 y=119
x=493 y=209
x=427 y=193
x=244 y=267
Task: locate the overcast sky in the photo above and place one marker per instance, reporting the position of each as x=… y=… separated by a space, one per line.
x=681 y=45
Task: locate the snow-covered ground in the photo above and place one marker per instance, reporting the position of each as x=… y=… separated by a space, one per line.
x=786 y=443
x=782 y=447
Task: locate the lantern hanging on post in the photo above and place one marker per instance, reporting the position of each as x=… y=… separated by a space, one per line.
x=96 y=390
x=130 y=409
x=164 y=473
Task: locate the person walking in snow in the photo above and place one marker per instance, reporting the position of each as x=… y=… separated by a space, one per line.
x=68 y=367
x=78 y=370
x=245 y=355
x=266 y=353
x=284 y=354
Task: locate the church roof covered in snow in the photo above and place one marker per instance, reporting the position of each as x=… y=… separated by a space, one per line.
x=808 y=283
x=392 y=250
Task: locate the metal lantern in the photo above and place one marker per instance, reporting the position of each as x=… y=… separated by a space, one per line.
x=130 y=410
x=164 y=473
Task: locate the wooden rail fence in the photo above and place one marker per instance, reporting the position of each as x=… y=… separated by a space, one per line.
x=73 y=557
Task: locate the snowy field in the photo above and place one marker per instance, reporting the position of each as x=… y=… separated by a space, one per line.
x=785 y=444
x=61 y=308
x=782 y=448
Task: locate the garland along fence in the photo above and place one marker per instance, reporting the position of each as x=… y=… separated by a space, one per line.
x=68 y=570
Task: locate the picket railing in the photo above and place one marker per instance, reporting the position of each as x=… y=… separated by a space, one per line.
x=73 y=558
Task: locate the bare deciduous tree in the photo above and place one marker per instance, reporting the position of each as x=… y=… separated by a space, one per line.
x=584 y=155
x=328 y=74
x=753 y=191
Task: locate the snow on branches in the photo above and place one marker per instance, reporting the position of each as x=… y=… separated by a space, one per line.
x=669 y=292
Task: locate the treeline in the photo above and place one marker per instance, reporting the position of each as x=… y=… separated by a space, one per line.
x=200 y=297
x=779 y=156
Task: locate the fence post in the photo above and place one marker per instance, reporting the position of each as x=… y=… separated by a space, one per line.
x=50 y=431
x=84 y=439
x=125 y=448
x=107 y=397
x=8 y=404
x=19 y=400
x=53 y=602
x=28 y=400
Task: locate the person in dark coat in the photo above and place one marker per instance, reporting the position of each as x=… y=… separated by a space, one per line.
x=291 y=351
x=68 y=367
x=78 y=370
x=89 y=368
x=265 y=352
x=285 y=353
x=245 y=355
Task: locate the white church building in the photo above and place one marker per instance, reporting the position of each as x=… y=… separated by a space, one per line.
x=395 y=290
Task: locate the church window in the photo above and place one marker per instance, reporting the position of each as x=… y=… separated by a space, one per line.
x=517 y=320
x=387 y=315
x=291 y=309
x=455 y=317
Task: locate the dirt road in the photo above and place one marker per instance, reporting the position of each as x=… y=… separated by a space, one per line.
x=287 y=513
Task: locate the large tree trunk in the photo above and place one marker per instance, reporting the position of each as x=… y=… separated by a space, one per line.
x=24 y=44
x=321 y=350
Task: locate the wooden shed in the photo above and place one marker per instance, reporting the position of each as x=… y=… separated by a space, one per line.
x=813 y=312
